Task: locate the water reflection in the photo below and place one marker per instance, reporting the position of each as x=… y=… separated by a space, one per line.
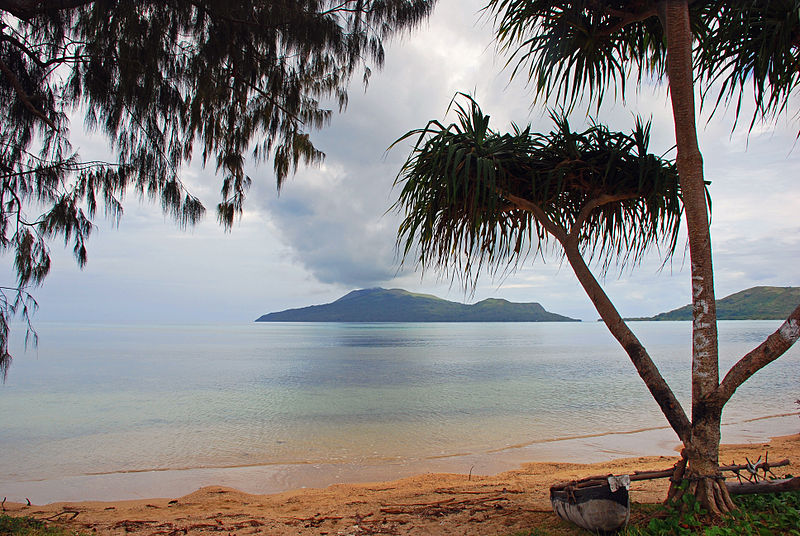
x=113 y=398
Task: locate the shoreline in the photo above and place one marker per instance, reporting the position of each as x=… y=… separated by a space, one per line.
x=278 y=478
x=430 y=503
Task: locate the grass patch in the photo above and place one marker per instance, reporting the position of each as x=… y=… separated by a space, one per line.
x=757 y=515
x=28 y=526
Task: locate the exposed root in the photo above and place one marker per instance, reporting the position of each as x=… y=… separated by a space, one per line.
x=677 y=477
x=710 y=493
x=725 y=497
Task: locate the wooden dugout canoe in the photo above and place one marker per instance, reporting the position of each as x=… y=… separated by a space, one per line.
x=602 y=507
x=601 y=503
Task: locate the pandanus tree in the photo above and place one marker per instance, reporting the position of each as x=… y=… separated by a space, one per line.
x=573 y=52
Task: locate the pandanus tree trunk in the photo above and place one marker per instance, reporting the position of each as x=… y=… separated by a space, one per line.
x=428 y=166
x=699 y=469
x=702 y=449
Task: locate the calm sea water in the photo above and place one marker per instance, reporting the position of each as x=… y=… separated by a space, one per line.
x=289 y=402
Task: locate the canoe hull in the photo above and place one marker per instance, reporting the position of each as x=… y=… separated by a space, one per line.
x=594 y=508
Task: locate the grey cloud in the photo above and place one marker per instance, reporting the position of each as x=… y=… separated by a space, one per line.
x=332 y=218
x=744 y=261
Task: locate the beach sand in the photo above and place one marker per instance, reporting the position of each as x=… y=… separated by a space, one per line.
x=426 y=504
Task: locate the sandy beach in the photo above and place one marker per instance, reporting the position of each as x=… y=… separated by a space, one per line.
x=426 y=504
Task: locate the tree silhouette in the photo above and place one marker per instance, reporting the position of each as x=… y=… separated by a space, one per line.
x=163 y=81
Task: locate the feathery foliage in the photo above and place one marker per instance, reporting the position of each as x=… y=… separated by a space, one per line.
x=575 y=50
x=473 y=197
x=460 y=203
x=569 y=50
x=750 y=43
x=161 y=80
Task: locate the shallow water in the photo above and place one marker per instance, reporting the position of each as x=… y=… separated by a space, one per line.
x=99 y=410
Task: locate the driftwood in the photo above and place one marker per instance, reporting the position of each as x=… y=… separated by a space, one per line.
x=442 y=508
x=758 y=466
x=73 y=513
x=665 y=473
x=595 y=480
x=764 y=486
x=475 y=492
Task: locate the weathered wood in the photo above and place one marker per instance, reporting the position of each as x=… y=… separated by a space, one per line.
x=665 y=473
x=758 y=466
x=597 y=508
x=596 y=480
x=766 y=486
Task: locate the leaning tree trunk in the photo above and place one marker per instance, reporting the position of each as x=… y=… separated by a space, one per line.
x=702 y=450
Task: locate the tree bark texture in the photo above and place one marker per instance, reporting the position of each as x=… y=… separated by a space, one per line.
x=705 y=368
x=702 y=450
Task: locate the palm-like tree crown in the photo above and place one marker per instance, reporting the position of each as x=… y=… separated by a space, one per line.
x=473 y=197
x=570 y=50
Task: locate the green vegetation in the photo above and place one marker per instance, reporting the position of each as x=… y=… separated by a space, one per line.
x=28 y=526
x=768 y=514
x=397 y=305
x=772 y=513
x=230 y=83
x=757 y=303
x=474 y=198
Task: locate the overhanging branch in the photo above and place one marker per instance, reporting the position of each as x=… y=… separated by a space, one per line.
x=23 y=96
x=25 y=9
x=21 y=46
x=761 y=356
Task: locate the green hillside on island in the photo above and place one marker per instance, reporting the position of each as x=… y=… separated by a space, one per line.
x=757 y=303
x=397 y=305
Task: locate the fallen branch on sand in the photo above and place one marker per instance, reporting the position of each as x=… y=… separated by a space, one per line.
x=73 y=513
x=595 y=480
x=476 y=492
x=442 y=508
x=764 y=486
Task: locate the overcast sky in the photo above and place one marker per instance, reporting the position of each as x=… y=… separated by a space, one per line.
x=328 y=232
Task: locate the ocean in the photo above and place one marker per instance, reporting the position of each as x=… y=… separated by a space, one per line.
x=129 y=411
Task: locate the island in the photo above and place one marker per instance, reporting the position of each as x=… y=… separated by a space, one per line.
x=398 y=305
x=756 y=303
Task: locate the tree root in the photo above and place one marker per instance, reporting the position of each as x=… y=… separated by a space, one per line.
x=710 y=492
x=677 y=477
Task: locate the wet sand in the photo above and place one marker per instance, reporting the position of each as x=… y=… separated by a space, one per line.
x=262 y=479
x=425 y=504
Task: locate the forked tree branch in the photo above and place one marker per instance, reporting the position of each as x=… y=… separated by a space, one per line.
x=765 y=353
x=593 y=204
x=550 y=226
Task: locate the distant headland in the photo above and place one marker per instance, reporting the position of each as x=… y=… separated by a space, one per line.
x=756 y=303
x=397 y=305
